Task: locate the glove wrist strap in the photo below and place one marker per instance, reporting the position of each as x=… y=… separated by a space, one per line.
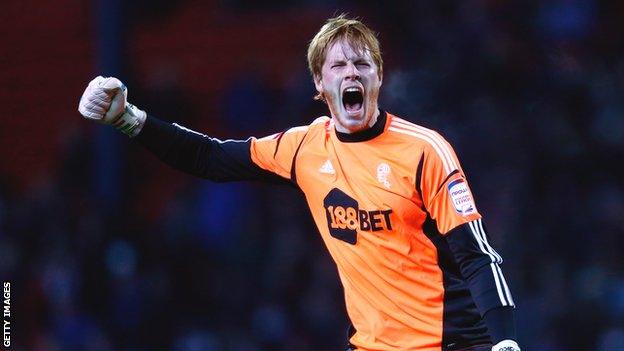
x=131 y=121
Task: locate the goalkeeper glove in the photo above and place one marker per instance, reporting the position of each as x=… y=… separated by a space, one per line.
x=506 y=345
x=105 y=100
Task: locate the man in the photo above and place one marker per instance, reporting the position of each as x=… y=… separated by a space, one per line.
x=389 y=198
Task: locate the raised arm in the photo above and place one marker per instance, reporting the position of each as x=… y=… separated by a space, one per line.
x=105 y=101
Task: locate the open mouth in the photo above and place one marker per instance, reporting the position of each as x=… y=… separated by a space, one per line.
x=352 y=99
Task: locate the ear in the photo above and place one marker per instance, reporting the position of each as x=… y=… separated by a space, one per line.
x=318 y=83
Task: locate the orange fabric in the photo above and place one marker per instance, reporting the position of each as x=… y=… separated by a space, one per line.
x=365 y=192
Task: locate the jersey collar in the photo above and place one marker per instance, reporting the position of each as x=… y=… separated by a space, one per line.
x=366 y=134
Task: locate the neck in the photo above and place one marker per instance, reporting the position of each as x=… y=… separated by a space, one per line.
x=376 y=129
x=343 y=129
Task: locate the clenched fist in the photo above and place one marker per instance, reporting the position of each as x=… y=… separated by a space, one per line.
x=105 y=100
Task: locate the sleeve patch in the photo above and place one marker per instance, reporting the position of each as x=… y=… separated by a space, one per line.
x=461 y=197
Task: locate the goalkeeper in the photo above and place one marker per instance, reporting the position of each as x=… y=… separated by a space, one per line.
x=389 y=198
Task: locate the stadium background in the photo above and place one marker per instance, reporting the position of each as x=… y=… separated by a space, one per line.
x=107 y=249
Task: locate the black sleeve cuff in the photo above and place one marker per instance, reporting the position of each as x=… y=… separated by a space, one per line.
x=156 y=135
x=501 y=324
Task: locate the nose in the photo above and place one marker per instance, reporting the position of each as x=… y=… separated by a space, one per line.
x=352 y=72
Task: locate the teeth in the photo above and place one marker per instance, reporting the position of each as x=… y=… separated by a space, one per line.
x=353 y=89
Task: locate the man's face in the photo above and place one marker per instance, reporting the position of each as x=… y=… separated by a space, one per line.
x=350 y=84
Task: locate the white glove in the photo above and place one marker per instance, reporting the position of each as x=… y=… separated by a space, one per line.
x=105 y=100
x=506 y=345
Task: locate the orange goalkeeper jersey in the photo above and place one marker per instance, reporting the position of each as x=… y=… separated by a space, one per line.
x=395 y=211
x=381 y=200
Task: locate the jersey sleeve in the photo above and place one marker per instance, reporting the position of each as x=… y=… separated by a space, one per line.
x=276 y=153
x=200 y=155
x=444 y=188
x=449 y=201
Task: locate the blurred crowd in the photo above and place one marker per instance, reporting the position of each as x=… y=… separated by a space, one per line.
x=530 y=94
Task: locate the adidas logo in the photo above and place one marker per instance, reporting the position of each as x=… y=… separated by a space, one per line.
x=327 y=168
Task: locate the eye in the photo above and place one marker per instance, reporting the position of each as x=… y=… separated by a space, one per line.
x=363 y=64
x=337 y=64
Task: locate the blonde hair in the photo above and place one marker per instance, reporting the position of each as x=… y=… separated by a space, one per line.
x=353 y=31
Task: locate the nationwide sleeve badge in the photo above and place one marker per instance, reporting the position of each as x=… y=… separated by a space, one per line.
x=461 y=197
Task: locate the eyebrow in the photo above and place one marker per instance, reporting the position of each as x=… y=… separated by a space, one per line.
x=356 y=59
